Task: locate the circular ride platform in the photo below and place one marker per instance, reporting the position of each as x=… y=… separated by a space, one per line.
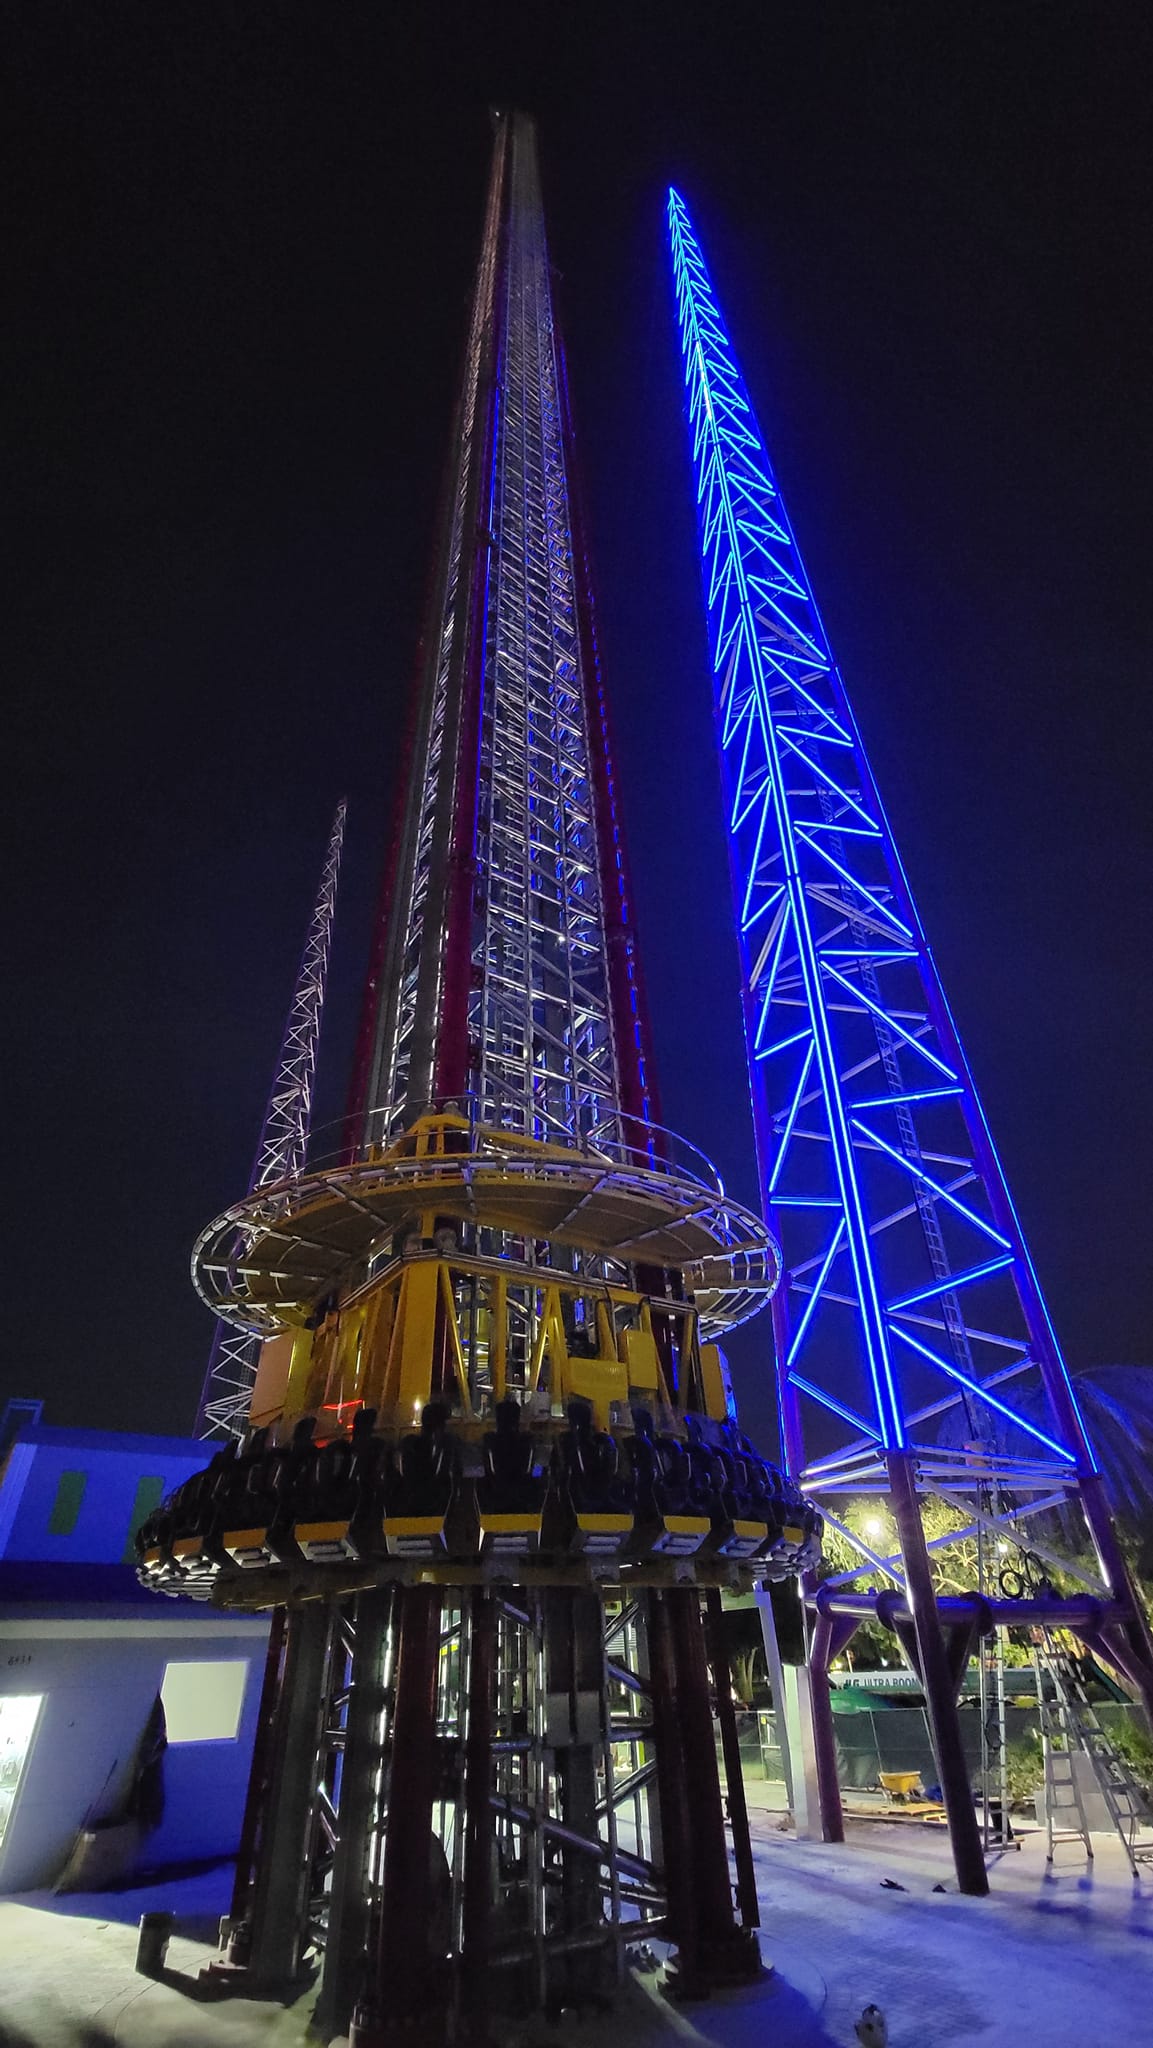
x=301 y=1240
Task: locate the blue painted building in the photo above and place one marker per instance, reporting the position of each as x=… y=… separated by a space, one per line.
x=122 y=1714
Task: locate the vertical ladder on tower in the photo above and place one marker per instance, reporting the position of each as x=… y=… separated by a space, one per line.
x=1070 y=1728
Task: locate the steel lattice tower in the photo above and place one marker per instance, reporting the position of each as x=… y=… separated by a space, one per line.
x=282 y=1146
x=509 y=970
x=914 y=1351
x=493 y=1483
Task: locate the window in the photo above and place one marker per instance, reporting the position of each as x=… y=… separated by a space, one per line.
x=202 y=1702
x=66 y=1506
x=149 y=1493
x=17 y=1727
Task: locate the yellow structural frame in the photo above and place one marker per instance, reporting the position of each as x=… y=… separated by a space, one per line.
x=401 y=1336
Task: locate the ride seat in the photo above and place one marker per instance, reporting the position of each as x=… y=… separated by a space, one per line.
x=256 y=1503
x=510 y=1495
x=419 y=1491
x=597 y=1493
x=669 y=1521
x=325 y=1501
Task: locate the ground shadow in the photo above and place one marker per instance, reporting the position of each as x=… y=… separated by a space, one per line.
x=196 y=1897
x=775 y=2010
x=76 y=2034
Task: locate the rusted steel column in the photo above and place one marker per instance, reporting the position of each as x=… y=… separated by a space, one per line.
x=726 y=1953
x=400 y=2004
x=478 y=1834
x=672 y=1794
x=937 y=1681
x=731 y=1751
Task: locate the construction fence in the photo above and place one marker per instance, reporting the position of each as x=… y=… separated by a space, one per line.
x=897 y=1739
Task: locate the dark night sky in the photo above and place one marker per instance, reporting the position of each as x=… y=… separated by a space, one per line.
x=238 y=254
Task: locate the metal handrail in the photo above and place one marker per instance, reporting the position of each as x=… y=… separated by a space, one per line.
x=620 y=1140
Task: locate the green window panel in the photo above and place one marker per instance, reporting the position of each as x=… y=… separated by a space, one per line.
x=66 y=1506
x=149 y=1494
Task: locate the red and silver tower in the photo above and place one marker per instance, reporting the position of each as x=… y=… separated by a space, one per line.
x=507 y=969
x=493 y=1484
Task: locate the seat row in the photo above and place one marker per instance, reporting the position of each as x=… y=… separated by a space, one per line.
x=520 y=1493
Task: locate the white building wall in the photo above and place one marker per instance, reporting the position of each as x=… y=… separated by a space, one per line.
x=99 y=1679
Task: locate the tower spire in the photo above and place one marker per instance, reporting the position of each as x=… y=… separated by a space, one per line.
x=509 y=968
x=283 y=1143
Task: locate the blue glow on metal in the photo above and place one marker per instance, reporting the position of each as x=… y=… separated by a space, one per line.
x=889 y=1019
x=868 y=953
x=849 y=950
x=834 y=1407
x=818 y=1289
x=774 y=963
x=910 y=1095
x=783 y=1044
x=951 y=1282
x=790 y=1120
x=975 y=1387
x=937 y=1187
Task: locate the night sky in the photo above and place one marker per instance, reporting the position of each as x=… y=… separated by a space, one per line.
x=238 y=256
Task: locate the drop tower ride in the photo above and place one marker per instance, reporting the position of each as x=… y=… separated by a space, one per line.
x=492 y=1482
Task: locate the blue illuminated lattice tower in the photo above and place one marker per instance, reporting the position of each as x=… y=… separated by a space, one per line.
x=914 y=1350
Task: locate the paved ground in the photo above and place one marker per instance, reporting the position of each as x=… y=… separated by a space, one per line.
x=1051 y=1960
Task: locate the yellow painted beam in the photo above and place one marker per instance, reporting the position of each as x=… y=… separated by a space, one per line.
x=448 y=1299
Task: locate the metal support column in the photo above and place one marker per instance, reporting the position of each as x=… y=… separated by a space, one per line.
x=1136 y=1646
x=937 y=1680
x=673 y=1794
x=731 y=1751
x=726 y=1953
x=271 y=1946
x=259 y=1777
x=395 y=2007
x=353 y=1877
x=831 y=1634
x=476 y=1916
x=574 y=1732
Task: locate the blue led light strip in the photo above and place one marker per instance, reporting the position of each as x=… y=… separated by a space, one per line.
x=843 y=1007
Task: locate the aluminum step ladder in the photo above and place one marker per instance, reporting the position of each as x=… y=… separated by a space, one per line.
x=1070 y=1729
